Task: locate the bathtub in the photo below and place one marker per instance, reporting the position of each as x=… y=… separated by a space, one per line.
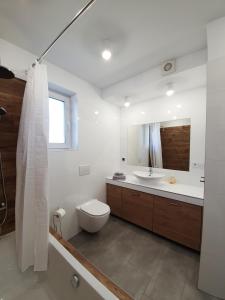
x=58 y=278
x=55 y=283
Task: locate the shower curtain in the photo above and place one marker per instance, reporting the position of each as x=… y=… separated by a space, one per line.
x=155 y=145
x=32 y=173
x=143 y=145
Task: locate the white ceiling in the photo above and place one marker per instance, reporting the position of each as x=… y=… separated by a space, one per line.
x=186 y=80
x=142 y=32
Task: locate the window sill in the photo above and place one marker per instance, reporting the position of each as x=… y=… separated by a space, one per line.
x=62 y=149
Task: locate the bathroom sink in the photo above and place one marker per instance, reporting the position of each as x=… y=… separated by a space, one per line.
x=146 y=175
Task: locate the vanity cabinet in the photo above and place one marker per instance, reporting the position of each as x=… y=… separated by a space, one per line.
x=137 y=208
x=178 y=221
x=175 y=220
x=114 y=199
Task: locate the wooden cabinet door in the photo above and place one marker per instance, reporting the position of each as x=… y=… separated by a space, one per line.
x=179 y=221
x=114 y=199
x=137 y=208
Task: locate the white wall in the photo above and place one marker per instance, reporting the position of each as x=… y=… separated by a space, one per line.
x=193 y=106
x=190 y=73
x=99 y=140
x=212 y=265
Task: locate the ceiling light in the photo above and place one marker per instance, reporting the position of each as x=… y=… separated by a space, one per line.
x=143 y=113
x=96 y=112
x=126 y=103
x=106 y=54
x=178 y=106
x=169 y=111
x=170 y=91
x=174 y=117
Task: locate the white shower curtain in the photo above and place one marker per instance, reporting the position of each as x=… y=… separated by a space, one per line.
x=32 y=173
x=155 y=145
x=143 y=145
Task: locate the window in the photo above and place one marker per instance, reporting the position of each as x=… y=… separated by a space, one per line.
x=59 y=121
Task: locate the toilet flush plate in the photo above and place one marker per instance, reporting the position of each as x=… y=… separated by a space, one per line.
x=84 y=170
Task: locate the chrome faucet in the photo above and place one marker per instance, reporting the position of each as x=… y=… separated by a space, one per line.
x=150 y=171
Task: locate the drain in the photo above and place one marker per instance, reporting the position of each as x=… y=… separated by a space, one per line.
x=75 y=281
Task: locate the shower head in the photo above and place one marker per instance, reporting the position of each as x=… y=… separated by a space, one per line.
x=2 y=111
x=6 y=73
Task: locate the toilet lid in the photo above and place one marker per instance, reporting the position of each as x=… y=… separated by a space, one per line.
x=95 y=208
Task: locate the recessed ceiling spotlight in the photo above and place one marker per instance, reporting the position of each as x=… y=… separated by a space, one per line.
x=178 y=106
x=174 y=117
x=126 y=103
x=143 y=112
x=169 y=111
x=106 y=54
x=106 y=47
x=96 y=112
x=170 y=91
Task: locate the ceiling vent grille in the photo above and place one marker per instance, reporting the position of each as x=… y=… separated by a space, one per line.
x=168 y=67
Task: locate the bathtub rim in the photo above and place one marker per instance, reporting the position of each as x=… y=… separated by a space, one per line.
x=81 y=270
x=106 y=282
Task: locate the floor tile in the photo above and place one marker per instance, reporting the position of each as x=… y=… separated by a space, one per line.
x=192 y=293
x=169 y=280
x=147 y=254
x=131 y=280
x=144 y=297
x=146 y=265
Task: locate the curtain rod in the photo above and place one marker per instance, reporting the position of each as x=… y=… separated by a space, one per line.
x=78 y=14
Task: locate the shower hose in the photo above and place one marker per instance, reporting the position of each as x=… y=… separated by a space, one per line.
x=4 y=203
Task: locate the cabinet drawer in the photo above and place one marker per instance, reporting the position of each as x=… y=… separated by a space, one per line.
x=137 y=208
x=114 y=199
x=179 y=221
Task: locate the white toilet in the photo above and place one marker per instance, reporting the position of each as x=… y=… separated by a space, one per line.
x=93 y=215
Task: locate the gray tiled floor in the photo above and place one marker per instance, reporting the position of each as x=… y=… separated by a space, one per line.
x=147 y=266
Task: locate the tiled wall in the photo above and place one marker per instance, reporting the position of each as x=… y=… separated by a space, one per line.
x=98 y=139
x=176 y=147
x=192 y=105
x=11 y=95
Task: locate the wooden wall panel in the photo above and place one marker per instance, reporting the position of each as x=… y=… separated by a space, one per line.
x=176 y=147
x=11 y=97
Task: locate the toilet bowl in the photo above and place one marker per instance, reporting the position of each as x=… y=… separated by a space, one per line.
x=93 y=215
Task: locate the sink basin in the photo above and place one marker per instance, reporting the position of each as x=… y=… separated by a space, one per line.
x=146 y=175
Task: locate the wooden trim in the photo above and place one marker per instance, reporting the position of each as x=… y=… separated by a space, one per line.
x=117 y=291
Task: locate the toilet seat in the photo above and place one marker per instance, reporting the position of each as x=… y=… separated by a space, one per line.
x=95 y=208
x=93 y=215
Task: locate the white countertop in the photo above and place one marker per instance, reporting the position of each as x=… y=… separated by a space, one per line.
x=181 y=192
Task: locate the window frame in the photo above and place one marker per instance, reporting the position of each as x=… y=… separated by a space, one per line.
x=67 y=117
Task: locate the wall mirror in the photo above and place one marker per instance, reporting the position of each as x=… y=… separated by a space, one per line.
x=160 y=145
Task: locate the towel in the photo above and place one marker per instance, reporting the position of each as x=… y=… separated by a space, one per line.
x=119 y=176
